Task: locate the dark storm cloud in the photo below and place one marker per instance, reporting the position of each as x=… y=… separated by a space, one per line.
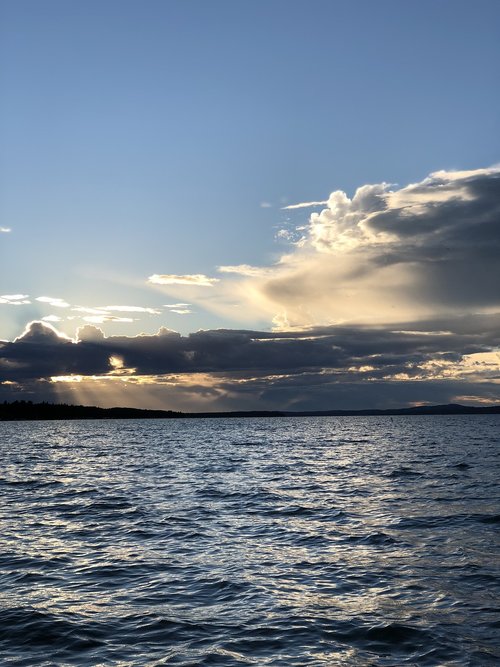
x=468 y=207
x=455 y=242
x=42 y=353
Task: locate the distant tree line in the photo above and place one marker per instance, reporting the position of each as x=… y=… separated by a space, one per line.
x=27 y=410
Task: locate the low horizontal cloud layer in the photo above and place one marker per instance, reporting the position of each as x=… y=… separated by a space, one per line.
x=312 y=369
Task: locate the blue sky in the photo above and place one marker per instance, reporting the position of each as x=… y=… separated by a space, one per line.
x=166 y=138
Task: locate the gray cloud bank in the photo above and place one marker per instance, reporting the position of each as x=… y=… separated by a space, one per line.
x=325 y=367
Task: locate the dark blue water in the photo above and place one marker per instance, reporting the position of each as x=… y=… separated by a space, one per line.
x=302 y=541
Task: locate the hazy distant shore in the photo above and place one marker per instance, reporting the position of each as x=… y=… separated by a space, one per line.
x=27 y=411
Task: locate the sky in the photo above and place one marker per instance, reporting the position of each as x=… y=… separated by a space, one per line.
x=274 y=204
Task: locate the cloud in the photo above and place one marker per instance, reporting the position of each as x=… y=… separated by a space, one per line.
x=244 y=270
x=102 y=314
x=198 y=280
x=129 y=309
x=53 y=301
x=15 y=299
x=41 y=333
x=5 y=230
x=100 y=319
x=51 y=318
x=89 y=311
x=97 y=310
x=89 y=333
x=384 y=254
x=306 y=204
x=179 y=308
x=388 y=254
x=318 y=368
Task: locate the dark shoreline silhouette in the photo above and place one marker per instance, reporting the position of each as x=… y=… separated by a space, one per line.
x=28 y=411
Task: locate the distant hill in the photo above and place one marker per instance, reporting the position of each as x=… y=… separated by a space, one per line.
x=26 y=411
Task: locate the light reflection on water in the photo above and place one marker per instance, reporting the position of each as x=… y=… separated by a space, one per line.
x=311 y=541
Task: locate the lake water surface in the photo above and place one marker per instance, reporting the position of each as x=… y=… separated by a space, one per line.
x=363 y=541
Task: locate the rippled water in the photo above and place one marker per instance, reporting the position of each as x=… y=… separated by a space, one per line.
x=300 y=541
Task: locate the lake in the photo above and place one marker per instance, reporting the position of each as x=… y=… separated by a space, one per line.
x=363 y=541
